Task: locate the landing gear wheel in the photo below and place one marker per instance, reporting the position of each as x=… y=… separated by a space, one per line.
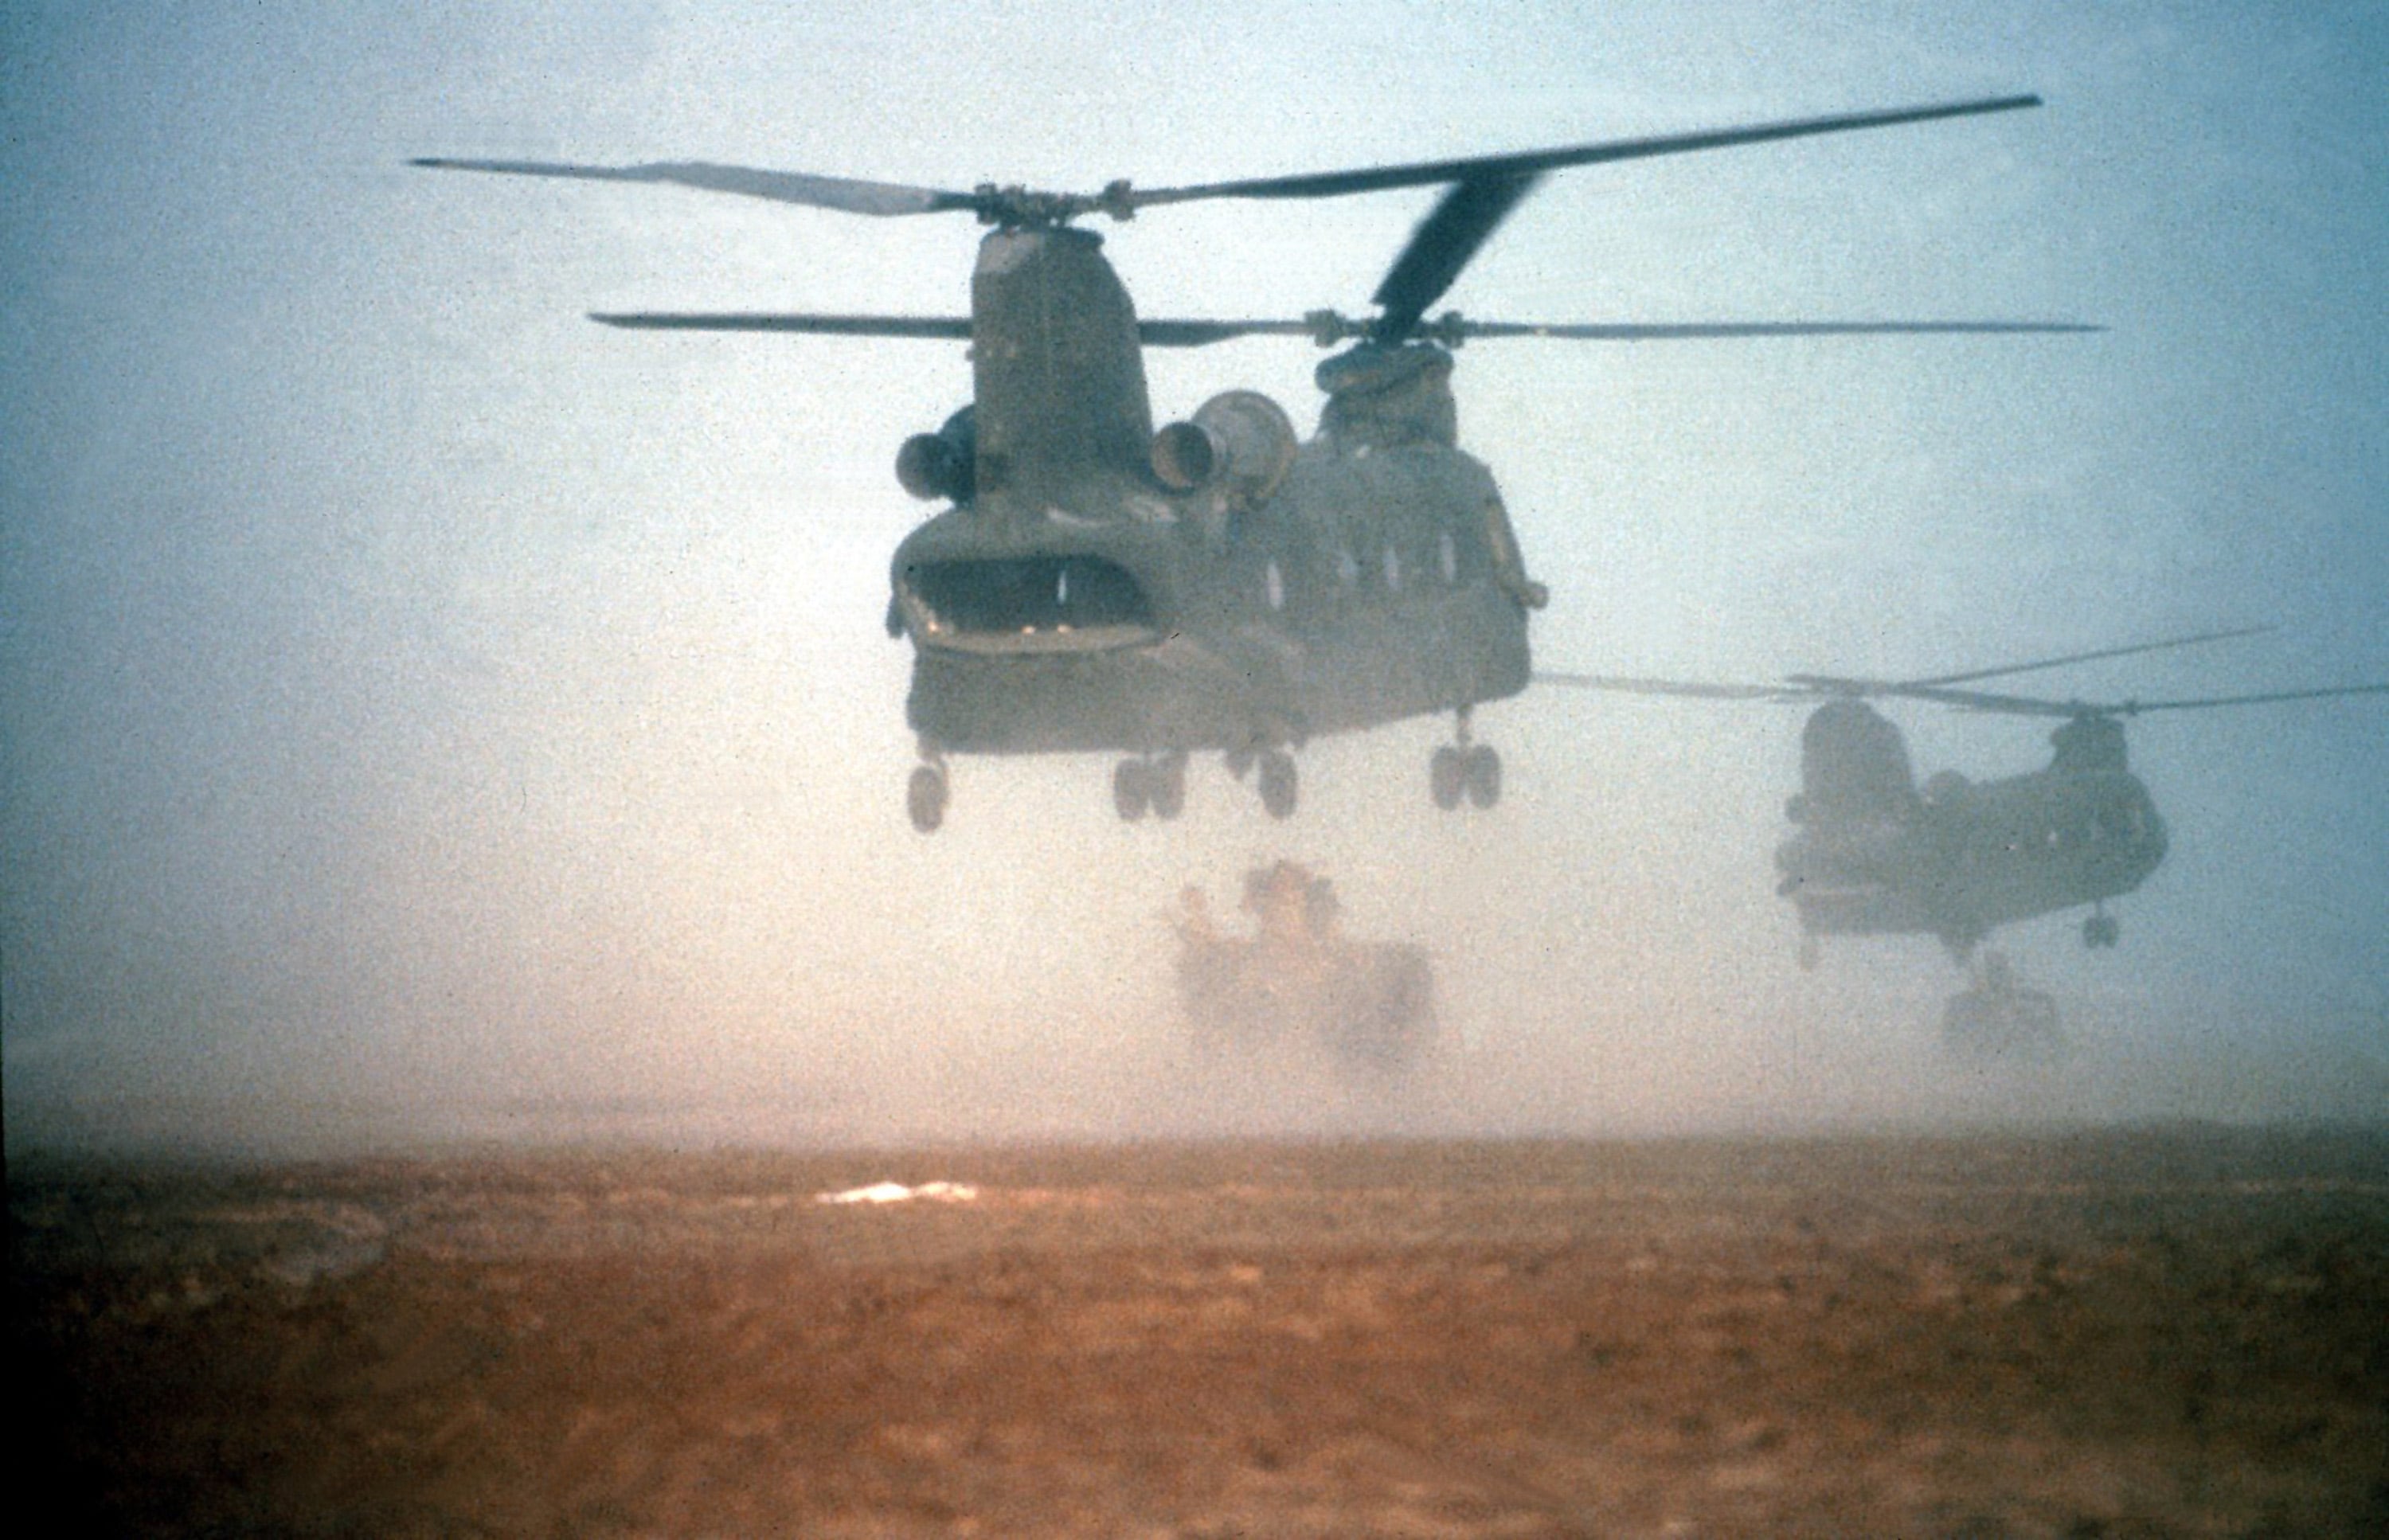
x=1279 y=785
x=2101 y=930
x=1167 y=780
x=1131 y=789
x=1484 y=775
x=925 y=798
x=1446 y=773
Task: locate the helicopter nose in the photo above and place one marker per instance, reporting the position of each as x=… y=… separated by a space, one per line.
x=1040 y=604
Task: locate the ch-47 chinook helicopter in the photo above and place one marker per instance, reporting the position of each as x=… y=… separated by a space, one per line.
x=1094 y=586
x=1876 y=855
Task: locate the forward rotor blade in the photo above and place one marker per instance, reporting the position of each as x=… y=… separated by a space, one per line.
x=1018 y=206
x=1532 y=163
x=934 y=327
x=2025 y=705
x=844 y=194
x=1671 y=687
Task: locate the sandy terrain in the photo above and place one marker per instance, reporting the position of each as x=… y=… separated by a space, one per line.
x=2179 y=1332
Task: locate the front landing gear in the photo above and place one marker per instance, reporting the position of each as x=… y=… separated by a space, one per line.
x=1157 y=785
x=1465 y=769
x=2101 y=929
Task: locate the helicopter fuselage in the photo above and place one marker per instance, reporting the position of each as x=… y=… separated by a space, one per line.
x=1094 y=586
x=1365 y=590
x=1074 y=597
x=1961 y=859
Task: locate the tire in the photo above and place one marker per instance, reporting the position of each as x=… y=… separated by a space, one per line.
x=925 y=798
x=1167 y=782
x=1131 y=789
x=1484 y=776
x=1280 y=786
x=1446 y=772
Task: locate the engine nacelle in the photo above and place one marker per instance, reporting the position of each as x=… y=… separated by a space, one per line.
x=944 y=463
x=1853 y=764
x=1239 y=440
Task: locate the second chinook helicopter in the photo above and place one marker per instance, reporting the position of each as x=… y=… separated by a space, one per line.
x=1874 y=854
x=1095 y=586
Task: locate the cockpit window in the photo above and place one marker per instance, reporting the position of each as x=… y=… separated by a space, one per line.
x=1030 y=593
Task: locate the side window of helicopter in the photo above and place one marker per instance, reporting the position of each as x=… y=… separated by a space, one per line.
x=1393 y=569
x=1347 y=569
x=1447 y=554
x=1273 y=584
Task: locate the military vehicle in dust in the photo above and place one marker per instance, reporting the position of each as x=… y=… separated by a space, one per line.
x=1297 y=986
x=1997 y=1017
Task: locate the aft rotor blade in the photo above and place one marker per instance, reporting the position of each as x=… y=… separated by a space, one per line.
x=1702 y=331
x=1202 y=334
x=2025 y=705
x=935 y=327
x=2087 y=657
x=844 y=194
x=1964 y=700
x=1532 y=164
x=1671 y=687
x=1327 y=329
x=2134 y=708
x=1460 y=222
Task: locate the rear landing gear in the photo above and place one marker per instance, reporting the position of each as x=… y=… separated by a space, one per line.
x=1132 y=790
x=1281 y=786
x=925 y=797
x=2101 y=929
x=1168 y=777
x=1278 y=781
x=1462 y=769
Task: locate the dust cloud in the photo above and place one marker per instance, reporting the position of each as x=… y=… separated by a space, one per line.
x=426 y=717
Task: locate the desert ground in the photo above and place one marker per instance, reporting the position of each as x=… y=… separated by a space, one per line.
x=2177 y=1330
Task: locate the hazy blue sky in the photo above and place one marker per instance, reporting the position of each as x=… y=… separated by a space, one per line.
x=421 y=706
